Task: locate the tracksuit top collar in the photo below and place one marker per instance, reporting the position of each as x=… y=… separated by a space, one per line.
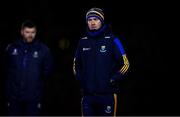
x=97 y=33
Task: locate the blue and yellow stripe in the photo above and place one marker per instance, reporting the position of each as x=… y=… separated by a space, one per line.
x=125 y=67
x=115 y=105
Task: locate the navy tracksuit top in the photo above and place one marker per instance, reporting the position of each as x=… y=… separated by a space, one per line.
x=27 y=65
x=99 y=58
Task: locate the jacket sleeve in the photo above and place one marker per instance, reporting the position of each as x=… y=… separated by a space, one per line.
x=77 y=66
x=121 y=56
x=47 y=64
x=6 y=59
x=4 y=62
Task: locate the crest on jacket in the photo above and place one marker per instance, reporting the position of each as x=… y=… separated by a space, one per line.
x=103 y=49
x=15 y=52
x=35 y=54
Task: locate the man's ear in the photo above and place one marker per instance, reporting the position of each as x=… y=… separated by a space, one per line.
x=21 y=31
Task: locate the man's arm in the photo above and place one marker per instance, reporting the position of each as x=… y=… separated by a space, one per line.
x=121 y=56
x=47 y=63
x=77 y=63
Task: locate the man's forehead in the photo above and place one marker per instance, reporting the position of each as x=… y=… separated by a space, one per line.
x=93 y=17
x=29 y=29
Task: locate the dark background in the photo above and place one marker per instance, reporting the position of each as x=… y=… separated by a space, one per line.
x=148 y=33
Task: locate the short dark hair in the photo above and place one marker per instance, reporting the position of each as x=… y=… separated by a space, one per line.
x=28 y=23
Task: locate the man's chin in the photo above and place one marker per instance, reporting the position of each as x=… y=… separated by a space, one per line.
x=29 y=40
x=93 y=29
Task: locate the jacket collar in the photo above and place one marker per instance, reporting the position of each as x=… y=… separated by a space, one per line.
x=98 y=32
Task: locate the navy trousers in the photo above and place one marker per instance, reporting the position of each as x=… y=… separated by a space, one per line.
x=23 y=108
x=99 y=105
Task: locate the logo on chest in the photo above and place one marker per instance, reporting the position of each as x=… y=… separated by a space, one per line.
x=15 y=52
x=35 y=54
x=86 y=49
x=103 y=49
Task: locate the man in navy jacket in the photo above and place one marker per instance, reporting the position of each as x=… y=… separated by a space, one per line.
x=29 y=62
x=100 y=61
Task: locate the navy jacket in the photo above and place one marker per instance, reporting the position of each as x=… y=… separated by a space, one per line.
x=99 y=58
x=27 y=66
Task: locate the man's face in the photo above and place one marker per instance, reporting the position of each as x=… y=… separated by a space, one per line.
x=28 y=34
x=94 y=23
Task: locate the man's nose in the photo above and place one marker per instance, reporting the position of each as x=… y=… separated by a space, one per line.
x=92 y=22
